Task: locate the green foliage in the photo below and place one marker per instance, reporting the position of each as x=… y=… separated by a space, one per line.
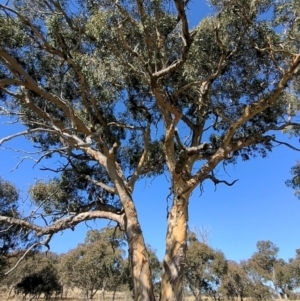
x=294 y=183
x=234 y=282
x=93 y=80
x=35 y=275
x=204 y=268
x=294 y=268
x=155 y=265
x=112 y=236
x=9 y=235
x=265 y=257
x=284 y=280
x=256 y=286
x=95 y=265
x=45 y=282
x=264 y=266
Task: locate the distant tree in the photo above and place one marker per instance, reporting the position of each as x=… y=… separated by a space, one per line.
x=284 y=281
x=256 y=287
x=8 y=207
x=12 y=237
x=155 y=264
x=272 y=268
x=266 y=257
x=294 y=264
x=93 y=266
x=156 y=271
x=37 y=274
x=204 y=268
x=120 y=90
x=264 y=260
x=45 y=281
x=234 y=282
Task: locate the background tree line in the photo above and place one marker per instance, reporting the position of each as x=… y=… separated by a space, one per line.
x=100 y=265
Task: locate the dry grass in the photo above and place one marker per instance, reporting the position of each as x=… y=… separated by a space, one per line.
x=69 y=295
x=77 y=295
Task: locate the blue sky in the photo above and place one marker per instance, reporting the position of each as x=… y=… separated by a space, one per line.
x=258 y=207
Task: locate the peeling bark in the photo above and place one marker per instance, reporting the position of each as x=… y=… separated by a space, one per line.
x=174 y=260
x=138 y=256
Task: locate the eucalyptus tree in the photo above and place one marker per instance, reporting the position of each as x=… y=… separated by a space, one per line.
x=205 y=267
x=12 y=237
x=266 y=258
x=256 y=286
x=94 y=266
x=8 y=197
x=273 y=269
x=234 y=282
x=284 y=280
x=293 y=273
x=36 y=275
x=44 y=282
x=121 y=90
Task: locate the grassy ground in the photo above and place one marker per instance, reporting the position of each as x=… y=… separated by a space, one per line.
x=76 y=295
x=69 y=295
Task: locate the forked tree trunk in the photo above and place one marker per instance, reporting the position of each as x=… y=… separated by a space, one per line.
x=138 y=256
x=174 y=260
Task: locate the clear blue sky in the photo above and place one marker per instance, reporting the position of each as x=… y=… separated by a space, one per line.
x=258 y=207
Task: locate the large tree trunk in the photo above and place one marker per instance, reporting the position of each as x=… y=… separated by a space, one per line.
x=174 y=260
x=138 y=256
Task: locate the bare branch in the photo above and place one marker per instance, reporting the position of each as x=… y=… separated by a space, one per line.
x=24 y=133
x=184 y=25
x=125 y=14
x=193 y=149
x=143 y=158
x=20 y=222
x=102 y=185
x=125 y=126
x=42 y=243
x=7 y=229
x=217 y=181
x=10 y=81
x=147 y=36
x=286 y=144
x=105 y=211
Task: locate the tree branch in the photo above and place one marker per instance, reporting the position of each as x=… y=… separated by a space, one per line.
x=68 y=222
x=286 y=144
x=41 y=243
x=187 y=41
x=256 y=107
x=217 y=181
x=143 y=158
x=132 y=51
x=25 y=133
x=102 y=185
x=32 y=85
x=147 y=37
x=193 y=149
